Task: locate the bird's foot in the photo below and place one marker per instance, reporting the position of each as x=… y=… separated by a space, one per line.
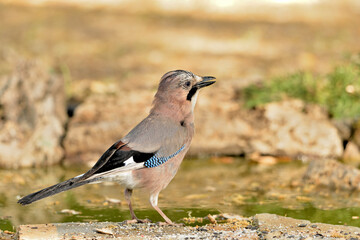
x=136 y=220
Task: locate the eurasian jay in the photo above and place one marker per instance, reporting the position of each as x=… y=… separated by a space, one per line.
x=150 y=154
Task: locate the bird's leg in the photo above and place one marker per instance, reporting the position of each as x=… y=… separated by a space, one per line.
x=134 y=219
x=154 y=202
x=128 y=193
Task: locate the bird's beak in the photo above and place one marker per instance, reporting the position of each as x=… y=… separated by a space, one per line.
x=205 y=81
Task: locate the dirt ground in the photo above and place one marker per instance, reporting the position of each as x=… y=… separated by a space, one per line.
x=133 y=46
x=261 y=226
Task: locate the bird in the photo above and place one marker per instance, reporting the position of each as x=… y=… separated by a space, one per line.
x=150 y=155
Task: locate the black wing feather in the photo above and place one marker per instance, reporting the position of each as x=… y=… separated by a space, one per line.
x=115 y=157
x=120 y=156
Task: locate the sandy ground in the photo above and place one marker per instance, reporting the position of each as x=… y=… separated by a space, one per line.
x=134 y=44
x=261 y=226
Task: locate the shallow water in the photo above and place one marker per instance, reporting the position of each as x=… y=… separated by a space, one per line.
x=202 y=186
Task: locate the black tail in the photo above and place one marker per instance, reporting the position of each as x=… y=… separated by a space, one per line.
x=57 y=188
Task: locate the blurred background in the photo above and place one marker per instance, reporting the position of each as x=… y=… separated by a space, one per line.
x=75 y=76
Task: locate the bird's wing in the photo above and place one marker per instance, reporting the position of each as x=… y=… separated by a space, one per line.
x=157 y=134
x=118 y=157
x=150 y=144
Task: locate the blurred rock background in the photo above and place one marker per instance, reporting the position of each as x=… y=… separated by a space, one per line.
x=101 y=62
x=32 y=117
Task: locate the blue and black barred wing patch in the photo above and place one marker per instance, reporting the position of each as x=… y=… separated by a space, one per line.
x=156 y=160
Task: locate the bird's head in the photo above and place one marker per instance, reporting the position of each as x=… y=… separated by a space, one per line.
x=181 y=87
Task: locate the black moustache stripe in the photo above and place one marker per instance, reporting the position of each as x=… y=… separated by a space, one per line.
x=191 y=93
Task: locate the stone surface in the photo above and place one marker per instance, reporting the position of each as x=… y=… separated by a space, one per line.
x=32 y=109
x=344 y=127
x=352 y=154
x=111 y=230
x=356 y=135
x=295 y=129
x=261 y=226
x=289 y=128
x=332 y=174
x=278 y=227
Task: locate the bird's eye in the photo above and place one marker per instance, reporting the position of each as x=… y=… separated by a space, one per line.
x=187 y=83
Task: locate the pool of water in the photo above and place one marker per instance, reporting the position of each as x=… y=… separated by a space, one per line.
x=201 y=187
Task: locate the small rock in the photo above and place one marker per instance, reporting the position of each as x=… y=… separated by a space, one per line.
x=344 y=128
x=210 y=188
x=202 y=229
x=332 y=174
x=266 y=160
x=356 y=135
x=32 y=109
x=211 y=219
x=70 y=211
x=104 y=231
x=352 y=154
x=300 y=134
x=113 y=200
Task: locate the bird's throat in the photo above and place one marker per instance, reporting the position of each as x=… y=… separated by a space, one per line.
x=193 y=100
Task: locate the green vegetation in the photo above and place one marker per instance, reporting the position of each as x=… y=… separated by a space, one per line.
x=338 y=91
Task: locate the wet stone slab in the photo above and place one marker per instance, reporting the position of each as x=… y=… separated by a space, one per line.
x=261 y=226
x=109 y=230
x=272 y=226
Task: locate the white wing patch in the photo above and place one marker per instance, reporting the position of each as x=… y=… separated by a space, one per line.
x=129 y=161
x=122 y=175
x=130 y=165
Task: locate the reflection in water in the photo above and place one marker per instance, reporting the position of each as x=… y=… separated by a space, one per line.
x=201 y=187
